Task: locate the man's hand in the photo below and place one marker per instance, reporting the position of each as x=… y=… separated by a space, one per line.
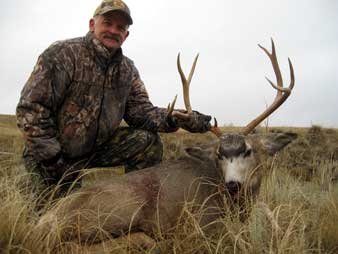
x=193 y=122
x=58 y=168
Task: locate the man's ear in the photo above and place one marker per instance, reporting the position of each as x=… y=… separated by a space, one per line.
x=127 y=34
x=274 y=142
x=91 y=24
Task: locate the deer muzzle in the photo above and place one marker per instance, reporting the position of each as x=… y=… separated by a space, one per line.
x=233 y=188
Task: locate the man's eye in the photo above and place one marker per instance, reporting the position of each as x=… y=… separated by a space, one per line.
x=122 y=28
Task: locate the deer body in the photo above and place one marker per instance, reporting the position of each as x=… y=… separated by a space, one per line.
x=154 y=197
x=140 y=200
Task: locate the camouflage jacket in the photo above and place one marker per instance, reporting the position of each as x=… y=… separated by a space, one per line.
x=76 y=97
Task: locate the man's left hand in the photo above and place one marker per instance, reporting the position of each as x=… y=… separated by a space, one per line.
x=193 y=122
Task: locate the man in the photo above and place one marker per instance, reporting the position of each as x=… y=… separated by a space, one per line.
x=76 y=97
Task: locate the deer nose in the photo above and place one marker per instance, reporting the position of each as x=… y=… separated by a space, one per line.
x=233 y=187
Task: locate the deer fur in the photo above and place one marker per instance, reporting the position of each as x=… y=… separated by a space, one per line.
x=143 y=200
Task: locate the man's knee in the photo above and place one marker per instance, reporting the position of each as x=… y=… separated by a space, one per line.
x=134 y=148
x=155 y=148
x=152 y=151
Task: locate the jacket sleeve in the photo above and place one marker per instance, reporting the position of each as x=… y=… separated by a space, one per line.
x=141 y=113
x=36 y=110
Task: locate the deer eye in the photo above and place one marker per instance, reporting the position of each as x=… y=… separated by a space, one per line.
x=220 y=156
x=247 y=153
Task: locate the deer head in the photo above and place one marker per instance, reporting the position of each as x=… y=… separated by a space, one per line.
x=239 y=156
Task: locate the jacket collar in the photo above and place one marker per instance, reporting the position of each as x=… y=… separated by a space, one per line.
x=102 y=54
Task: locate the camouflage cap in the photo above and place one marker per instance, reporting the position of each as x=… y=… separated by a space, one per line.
x=113 y=5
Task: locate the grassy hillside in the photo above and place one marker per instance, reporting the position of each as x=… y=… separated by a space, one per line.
x=296 y=212
x=10 y=137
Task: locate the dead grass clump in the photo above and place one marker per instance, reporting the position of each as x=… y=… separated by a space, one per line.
x=17 y=216
x=316 y=136
x=314 y=152
x=328 y=230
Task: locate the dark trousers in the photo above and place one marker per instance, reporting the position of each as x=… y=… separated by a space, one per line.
x=132 y=148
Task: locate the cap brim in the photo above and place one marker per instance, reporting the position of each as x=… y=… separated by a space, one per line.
x=129 y=19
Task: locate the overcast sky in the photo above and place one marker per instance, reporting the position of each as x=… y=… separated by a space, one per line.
x=229 y=79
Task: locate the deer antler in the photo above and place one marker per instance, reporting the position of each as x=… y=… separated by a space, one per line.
x=282 y=92
x=186 y=95
x=214 y=129
x=185 y=82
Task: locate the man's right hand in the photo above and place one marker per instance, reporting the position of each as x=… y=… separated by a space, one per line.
x=58 y=168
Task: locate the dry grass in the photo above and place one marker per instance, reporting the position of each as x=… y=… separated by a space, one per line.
x=296 y=211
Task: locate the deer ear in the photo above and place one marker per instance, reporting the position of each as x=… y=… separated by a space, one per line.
x=196 y=152
x=202 y=153
x=273 y=143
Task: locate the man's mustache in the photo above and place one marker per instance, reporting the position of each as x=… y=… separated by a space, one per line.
x=115 y=37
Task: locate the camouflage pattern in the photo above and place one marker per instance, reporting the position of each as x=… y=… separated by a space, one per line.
x=132 y=148
x=71 y=108
x=77 y=96
x=113 y=5
x=196 y=122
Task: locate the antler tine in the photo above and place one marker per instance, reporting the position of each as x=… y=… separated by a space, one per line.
x=282 y=92
x=186 y=83
x=186 y=94
x=193 y=69
x=275 y=65
x=215 y=130
x=172 y=112
x=292 y=75
x=171 y=106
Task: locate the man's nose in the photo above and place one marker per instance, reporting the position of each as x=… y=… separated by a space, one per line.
x=113 y=29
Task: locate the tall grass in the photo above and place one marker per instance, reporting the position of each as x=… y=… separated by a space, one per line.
x=295 y=212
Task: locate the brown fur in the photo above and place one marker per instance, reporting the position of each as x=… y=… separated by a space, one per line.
x=154 y=197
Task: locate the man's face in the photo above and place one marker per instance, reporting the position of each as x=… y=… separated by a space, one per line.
x=111 y=29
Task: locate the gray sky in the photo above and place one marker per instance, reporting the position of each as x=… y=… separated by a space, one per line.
x=229 y=78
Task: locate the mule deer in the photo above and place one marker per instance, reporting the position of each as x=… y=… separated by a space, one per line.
x=150 y=198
